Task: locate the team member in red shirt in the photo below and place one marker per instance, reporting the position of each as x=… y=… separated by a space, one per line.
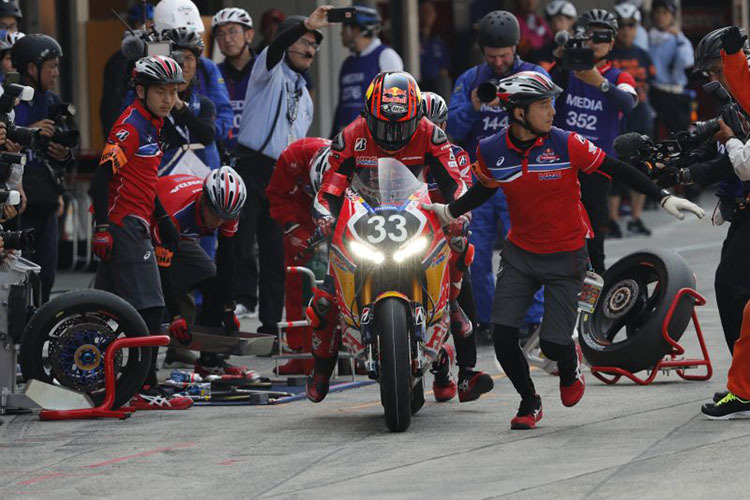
x=290 y=196
x=199 y=207
x=393 y=126
x=537 y=167
x=124 y=199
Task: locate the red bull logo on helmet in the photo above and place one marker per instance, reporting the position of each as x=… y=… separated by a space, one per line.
x=394 y=95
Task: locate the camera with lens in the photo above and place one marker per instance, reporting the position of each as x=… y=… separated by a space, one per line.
x=576 y=56
x=65 y=133
x=729 y=111
x=18 y=240
x=12 y=92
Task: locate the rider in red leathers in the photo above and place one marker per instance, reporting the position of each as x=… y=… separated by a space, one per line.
x=290 y=197
x=392 y=126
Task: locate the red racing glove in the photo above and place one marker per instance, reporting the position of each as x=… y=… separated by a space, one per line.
x=102 y=242
x=178 y=329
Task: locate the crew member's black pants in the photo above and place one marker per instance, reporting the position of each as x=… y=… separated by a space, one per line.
x=44 y=251
x=256 y=224
x=732 y=281
x=466 y=347
x=594 y=195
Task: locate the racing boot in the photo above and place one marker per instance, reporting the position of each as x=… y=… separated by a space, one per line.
x=572 y=382
x=460 y=323
x=211 y=364
x=156 y=398
x=529 y=413
x=318 y=381
x=472 y=384
x=443 y=387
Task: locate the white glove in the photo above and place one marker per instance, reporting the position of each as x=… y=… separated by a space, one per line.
x=442 y=212
x=674 y=205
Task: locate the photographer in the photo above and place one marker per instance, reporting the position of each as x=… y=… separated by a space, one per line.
x=470 y=120
x=592 y=105
x=37 y=59
x=707 y=164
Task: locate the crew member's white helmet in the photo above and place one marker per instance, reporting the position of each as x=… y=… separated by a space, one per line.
x=171 y=14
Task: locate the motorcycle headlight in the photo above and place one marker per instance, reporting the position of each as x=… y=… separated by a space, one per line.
x=366 y=252
x=410 y=248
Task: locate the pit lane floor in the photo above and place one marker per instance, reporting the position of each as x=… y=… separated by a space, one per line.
x=621 y=441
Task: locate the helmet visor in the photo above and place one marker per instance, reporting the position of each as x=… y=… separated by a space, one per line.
x=392 y=135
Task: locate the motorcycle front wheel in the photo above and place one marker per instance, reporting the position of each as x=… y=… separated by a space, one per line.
x=391 y=321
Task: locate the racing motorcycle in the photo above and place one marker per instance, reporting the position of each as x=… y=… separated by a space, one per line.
x=389 y=259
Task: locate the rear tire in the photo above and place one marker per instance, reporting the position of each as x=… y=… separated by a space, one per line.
x=74 y=331
x=391 y=322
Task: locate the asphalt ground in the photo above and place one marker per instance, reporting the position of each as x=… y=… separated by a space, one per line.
x=621 y=441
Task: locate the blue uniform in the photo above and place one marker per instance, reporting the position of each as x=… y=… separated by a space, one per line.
x=467 y=127
x=209 y=154
x=355 y=76
x=211 y=85
x=584 y=109
x=433 y=58
x=236 y=83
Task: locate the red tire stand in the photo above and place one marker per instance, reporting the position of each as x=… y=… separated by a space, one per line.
x=105 y=410
x=671 y=360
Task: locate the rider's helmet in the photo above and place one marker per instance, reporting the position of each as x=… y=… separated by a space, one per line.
x=393 y=108
x=169 y=14
x=525 y=87
x=156 y=70
x=225 y=192
x=627 y=11
x=708 y=50
x=434 y=108
x=232 y=15
x=9 y=8
x=597 y=17
x=366 y=18
x=8 y=40
x=318 y=167
x=185 y=38
x=498 y=29
x=560 y=7
x=35 y=48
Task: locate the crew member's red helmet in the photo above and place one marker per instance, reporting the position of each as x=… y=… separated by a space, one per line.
x=393 y=108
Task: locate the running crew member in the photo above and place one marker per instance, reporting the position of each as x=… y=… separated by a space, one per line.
x=422 y=147
x=546 y=245
x=470 y=120
x=290 y=195
x=199 y=207
x=124 y=198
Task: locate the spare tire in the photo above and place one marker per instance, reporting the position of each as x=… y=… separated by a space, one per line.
x=625 y=329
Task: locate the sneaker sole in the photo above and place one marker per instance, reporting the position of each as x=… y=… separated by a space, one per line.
x=519 y=426
x=730 y=416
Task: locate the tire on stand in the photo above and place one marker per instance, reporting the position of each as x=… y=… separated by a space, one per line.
x=66 y=340
x=625 y=329
x=391 y=322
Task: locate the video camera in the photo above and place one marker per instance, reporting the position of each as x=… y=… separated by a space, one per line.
x=576 y=56
x=65 y=134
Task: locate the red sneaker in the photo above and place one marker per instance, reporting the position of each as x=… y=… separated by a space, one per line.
x=529 y=413
x=443 y=387
x=472 y=384
x=572 y=394
x=155 y=399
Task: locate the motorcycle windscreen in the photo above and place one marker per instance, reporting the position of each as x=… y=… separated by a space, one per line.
x=389 y=182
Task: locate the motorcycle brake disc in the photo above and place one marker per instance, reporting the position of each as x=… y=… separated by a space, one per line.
x=621 y=299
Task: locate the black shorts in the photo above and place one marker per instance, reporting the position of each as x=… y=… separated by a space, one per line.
x=190 y=265
x=520 y=276
x=132 y=272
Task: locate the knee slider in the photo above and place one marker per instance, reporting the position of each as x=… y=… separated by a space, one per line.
x=320 y=308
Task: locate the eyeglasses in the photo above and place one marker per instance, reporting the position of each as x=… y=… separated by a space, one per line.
x=307 y=43
x=228 y=33
x=715 y=71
